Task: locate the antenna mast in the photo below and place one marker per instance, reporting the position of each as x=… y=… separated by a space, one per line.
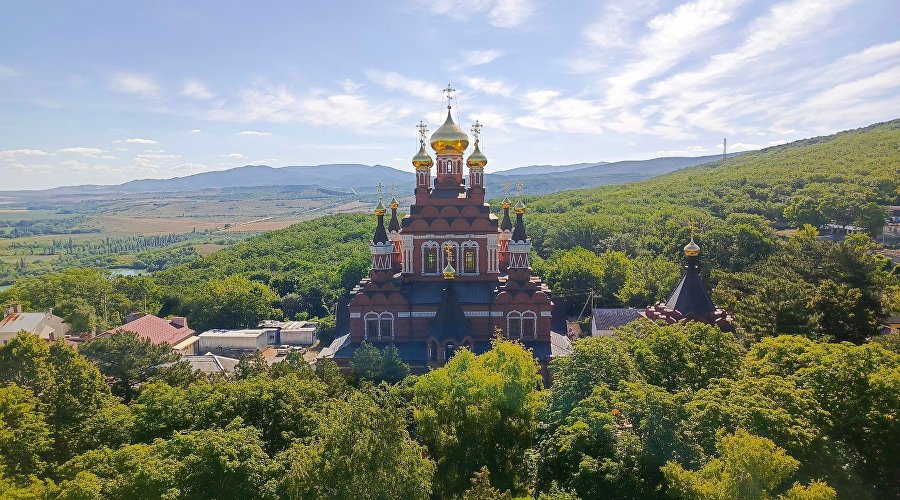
x=724 y=148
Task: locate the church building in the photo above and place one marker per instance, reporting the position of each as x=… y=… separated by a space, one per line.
x=450 y=273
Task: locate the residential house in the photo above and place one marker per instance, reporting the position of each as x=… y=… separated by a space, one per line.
x=45 y=325
x=174 y=332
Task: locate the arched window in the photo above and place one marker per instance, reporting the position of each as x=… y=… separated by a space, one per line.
x=470 y=257
x=529 y=325
x=433 y=350
x=386 y=328
x=514 y=325
x=371 y=324
x=430 y=257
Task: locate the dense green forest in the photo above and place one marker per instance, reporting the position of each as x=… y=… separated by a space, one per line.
x=798 y=404
x=682 y=411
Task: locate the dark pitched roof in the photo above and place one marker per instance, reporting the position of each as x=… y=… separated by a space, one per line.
x=607 y=319
x=380 y=233
x=506 y=224
x=394 y=225
x=519 y=231
x=450 y=320
x=690 y=297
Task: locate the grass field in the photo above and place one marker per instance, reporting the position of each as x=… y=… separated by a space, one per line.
x=17 y=214
x=121 y=215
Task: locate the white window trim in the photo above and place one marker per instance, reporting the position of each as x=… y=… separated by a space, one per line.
x=379 y=317
x=521 y=316
x=429 y=245
x=465 y=245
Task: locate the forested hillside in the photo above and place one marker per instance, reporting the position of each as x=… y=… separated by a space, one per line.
x=628 y=237
x=799 y=404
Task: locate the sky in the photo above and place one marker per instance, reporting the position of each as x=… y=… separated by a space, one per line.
x=98 y=92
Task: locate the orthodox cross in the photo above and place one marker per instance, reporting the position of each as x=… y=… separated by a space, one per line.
x=693 y=226
x=506 y=189
x=423 y=131
x=520 y=188
x=476 y=131
x=380 y=190
x=448 y=249
x=393 y=190
x=449 y=91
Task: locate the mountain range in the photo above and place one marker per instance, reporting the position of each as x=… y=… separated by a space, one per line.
x=363 y=178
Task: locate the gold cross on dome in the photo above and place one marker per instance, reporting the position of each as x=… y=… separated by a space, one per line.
x=476 y=130
x=449 y=91
x=448 y=249
x=423 y=131
x=693 y=225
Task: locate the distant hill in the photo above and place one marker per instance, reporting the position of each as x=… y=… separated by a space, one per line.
x=363 y=178
x=548 y=169
x=351 y=176
x=588 y=175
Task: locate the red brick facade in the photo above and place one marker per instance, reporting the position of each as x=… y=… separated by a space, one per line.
x=398 y=302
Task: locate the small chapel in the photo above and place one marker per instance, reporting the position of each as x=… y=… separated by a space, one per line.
x=451 y=273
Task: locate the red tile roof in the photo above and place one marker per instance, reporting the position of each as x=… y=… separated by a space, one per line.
x=154 y=328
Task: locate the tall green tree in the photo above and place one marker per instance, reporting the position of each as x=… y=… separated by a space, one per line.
x=25 y=441
x=127 y=359
x=364 y=451
x=479 y=411
x=748 y=467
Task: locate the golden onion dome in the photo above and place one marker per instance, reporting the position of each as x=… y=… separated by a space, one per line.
x=449 y=139
x=506 y=203
x=449 y=272
x=422 y=160
x=520 y=207
x=692 y=249
x=394 y=204
x=379 y=208
x=477 y=158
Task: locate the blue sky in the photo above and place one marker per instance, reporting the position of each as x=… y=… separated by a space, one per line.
x=104 y=92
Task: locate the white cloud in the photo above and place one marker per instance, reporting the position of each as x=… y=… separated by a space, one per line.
x=234 y=155
x=479 y=57
x=196 y=90
x=315 y=107
x=156 y=156
x=10 y=153
x=673 y=37
x=741 y=146
x=500 y=13
x=8 y=72
x=492 y=87
x=548 y=111
x=90 y=152
x=613 y=29
x=196 y=131
x=778 y=142
x=135 y=84
x=138 y=140
x=396 y=81
x=254 y=133
x=350 y=86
